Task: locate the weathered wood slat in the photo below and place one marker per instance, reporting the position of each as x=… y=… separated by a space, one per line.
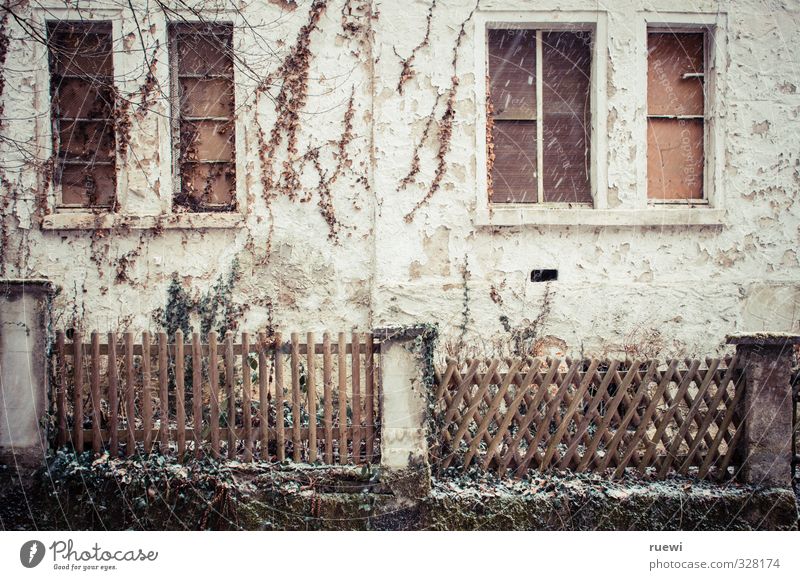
x=342 y=419
x=355 y=371
x=723 y=429
x=130 y=396
x=263 y=395
x=587 y=416
x=722 y=468
x=163 y=391
x=622 y=387
x=665 y=419
x=327 y=396
x=213 y=384
x=369 y=396
x=147 y=395
x=180 y=393
x=532 y=452
x=279 y=396
x=94 y=380
x=230 y=396
x=247 y=417
x=311 y=391
x=467 y=416
x=77 y=394
x=583 y=426
x=113 y=395
x=650 y=409
x=295 y=369
x=197 y=393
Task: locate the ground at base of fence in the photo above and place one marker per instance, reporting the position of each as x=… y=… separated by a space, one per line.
x=160 y=494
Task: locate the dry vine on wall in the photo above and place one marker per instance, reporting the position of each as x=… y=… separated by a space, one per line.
x=444 y=122
x=292 y=76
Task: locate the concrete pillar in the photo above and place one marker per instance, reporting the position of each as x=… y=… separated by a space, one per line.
x=766 y=360
x=406 y=388
x=24 y=306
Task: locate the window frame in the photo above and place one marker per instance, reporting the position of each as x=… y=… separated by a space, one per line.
x=551 y=20
x=42 y=19
x=90 y=28
x=539 y=119
x=713 y=26
x=172 y=30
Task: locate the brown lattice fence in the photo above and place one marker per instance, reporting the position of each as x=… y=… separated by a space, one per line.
x=252 y=398
x=512 y=416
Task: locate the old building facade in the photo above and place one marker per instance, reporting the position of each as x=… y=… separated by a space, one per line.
x=348 y=180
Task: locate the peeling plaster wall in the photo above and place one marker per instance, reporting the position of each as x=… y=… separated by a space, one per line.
x=673 y=290
x=670 y=290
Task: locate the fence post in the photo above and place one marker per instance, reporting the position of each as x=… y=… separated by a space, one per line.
x=24 y=319
x=406 y=388
x=766 y=361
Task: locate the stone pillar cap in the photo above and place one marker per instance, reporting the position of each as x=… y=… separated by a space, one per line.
x=8 y=285
x=401 y=333
x=764 y=338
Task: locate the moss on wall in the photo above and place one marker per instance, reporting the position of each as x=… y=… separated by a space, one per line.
x=157 y=493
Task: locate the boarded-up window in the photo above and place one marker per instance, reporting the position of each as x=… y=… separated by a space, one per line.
x=203 y=116
x=675 y=115
x=82 y=98
x=539 y=87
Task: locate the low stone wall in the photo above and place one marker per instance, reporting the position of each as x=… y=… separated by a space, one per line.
x=161 y=495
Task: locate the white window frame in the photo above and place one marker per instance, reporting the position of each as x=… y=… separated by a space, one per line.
x=175 y=166
x=636 y=212
x=715 y=27
x=488 y=213
x=41 y=18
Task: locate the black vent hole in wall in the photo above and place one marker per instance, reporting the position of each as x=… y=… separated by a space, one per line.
x=546 y=275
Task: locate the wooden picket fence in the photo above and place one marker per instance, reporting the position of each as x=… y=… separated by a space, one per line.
x=512 y=416
x=226 y=399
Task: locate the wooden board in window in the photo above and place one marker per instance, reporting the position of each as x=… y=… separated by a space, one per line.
x=77 y=98
x=675 y=159
x=207 y=186
x=207 y=141
x=86 y=141
x=675 y=65
x=204 y=54
x=206 y=97
x=87 y=185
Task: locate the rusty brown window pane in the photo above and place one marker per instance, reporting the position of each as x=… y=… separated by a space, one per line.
x=203 y=117
x=675 y=115
x=82 y=101
x=539 y=119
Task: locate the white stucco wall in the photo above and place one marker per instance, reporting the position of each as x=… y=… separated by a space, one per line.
x=664 y=289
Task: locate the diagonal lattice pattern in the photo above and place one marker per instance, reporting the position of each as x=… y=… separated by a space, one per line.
x=511 y=416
